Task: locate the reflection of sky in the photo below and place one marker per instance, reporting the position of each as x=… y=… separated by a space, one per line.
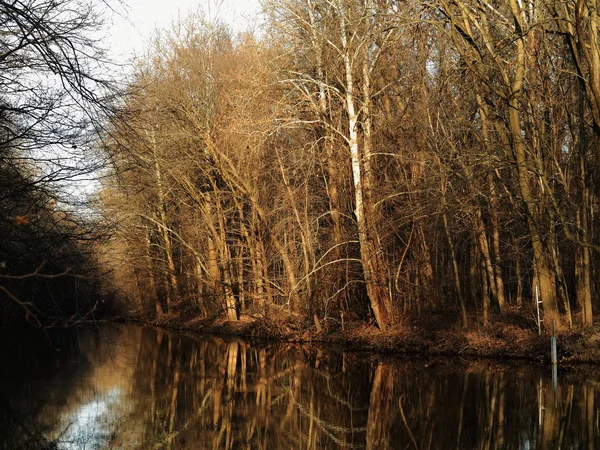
x=92 y=425
x=99 y=406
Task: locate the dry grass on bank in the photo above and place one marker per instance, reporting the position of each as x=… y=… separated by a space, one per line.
x=511 y=336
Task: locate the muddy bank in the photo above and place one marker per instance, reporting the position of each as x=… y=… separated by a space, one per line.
x=504 y=340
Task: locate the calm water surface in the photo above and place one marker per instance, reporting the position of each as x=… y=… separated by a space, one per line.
x=128 y=387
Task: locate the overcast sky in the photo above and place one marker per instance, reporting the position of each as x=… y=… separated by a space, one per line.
x=135 y=21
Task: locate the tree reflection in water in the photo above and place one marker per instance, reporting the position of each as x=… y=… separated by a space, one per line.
x=160 y=389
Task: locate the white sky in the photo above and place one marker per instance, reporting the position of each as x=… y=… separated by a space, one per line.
x=135 y=21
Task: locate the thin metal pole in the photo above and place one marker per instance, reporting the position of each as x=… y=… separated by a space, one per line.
x=537 y=306
x=553 y=344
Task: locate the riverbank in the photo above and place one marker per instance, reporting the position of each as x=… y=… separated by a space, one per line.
x=511 y=337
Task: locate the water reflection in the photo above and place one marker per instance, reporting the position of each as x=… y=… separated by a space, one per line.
x=124 y=387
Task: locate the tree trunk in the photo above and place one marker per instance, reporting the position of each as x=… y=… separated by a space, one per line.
x=151 y=278
x=495 y=231
x=456 y=273
x=582 y=255
x=370 y=252
x=290 y=273
x=172 y=288
x=485 y=288
x=307 y=247
x=546 y=277
x=498 y=280
x=519 y=276
x=225 y=262
x=486 y=259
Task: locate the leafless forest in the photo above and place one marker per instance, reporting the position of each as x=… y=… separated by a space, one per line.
x=351 y=160
x=370 y=159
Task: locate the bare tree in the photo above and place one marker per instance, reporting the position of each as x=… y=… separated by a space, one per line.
x=55 y=96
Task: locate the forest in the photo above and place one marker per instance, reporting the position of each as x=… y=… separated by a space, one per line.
x=350 y=160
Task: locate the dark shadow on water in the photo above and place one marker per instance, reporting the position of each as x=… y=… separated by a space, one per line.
x=127 y=387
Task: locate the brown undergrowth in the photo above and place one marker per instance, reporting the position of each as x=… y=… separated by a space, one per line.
x=508 y=337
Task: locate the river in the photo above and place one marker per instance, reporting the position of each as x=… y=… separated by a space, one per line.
x=121 y=386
